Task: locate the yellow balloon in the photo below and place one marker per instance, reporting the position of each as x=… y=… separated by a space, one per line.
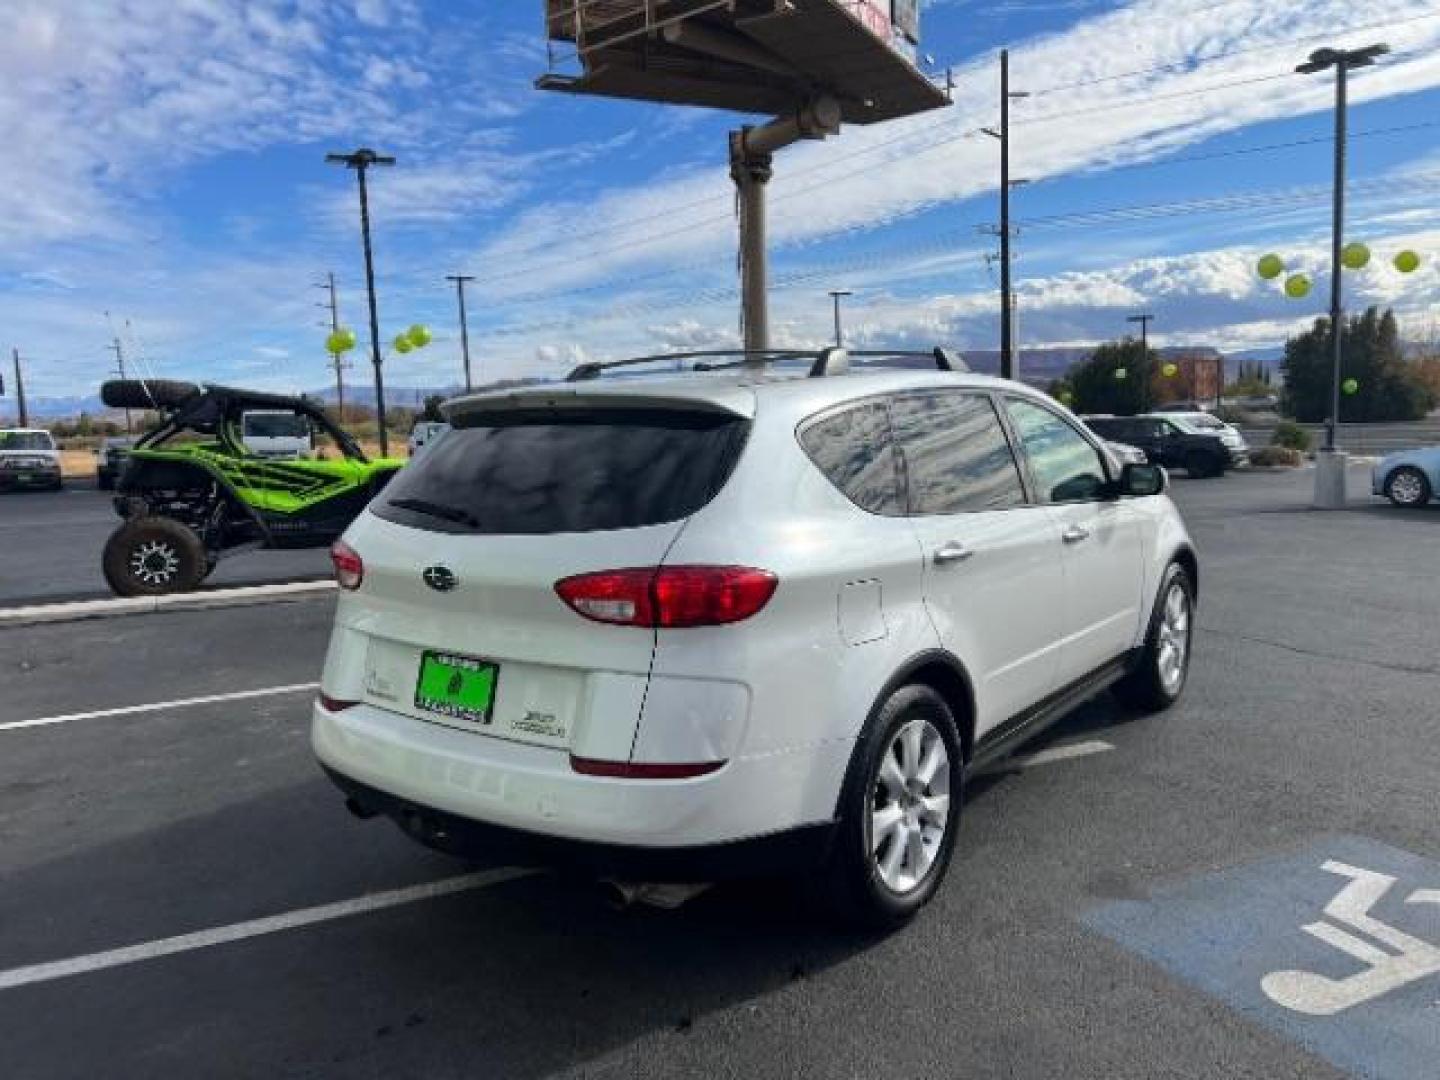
x=1407 y=262
x=1355 y=256
x=1170 y=370
x=1351 y=387
x=1271 y=267
x=1297 y=286
x=402 y=344
x=419 y=335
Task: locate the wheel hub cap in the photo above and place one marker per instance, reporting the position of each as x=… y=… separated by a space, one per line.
x=1406 y=488
x=155 y=562
x=910 y=806
x=1174 y=646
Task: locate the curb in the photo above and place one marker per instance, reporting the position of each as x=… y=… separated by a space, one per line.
x=146 y=605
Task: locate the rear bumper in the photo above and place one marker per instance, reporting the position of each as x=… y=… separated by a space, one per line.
x=33 y=478
x=779 y=853
x=490 y=794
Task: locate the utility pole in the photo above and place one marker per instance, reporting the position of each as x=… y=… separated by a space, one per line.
x=1007 y=233
x=20 y=390
x=836 y=295
x=336 y=360
x=1330 y=467
x=119 y=351
x=361 y=160
x=1144 y=320
x=460 y=280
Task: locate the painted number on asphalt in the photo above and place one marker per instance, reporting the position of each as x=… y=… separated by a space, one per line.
x=1336 y=946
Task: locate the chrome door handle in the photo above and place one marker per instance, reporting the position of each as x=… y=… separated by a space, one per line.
x=1075 y=534
x=952 y=552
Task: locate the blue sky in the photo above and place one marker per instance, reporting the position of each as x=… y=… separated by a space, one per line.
x=165 y=165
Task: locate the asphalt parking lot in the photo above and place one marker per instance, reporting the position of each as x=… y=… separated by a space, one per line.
x=185 y=895
x=62 y=534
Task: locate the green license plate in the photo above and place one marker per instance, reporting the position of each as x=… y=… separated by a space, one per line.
x=459 y=687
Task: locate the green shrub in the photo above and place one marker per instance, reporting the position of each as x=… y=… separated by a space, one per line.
x=1291 y=436
x=1276 y=456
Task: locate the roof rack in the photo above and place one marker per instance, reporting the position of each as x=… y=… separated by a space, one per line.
x=827 y=362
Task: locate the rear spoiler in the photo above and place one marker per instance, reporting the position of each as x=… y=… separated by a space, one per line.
x=467 y=411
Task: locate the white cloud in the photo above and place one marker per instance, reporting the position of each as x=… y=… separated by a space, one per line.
x=869 y=177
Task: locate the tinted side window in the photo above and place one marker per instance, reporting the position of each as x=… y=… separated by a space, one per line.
x=855 y=452
x=1111 y=429
x=566 y=471
x=957 y=459
x=1066 y=467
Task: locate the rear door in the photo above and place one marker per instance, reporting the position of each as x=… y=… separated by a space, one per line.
x=1101 y=540
x=993 y=575
x=463 y=551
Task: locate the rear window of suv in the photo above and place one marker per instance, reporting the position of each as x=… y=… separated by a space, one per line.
x=530 y=473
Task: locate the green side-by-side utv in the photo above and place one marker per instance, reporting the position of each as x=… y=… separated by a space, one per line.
x=191 y=491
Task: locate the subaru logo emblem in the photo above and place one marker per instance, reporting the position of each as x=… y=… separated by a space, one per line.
x=440 y=578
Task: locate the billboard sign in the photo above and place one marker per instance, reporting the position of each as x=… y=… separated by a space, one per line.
x=905 y=15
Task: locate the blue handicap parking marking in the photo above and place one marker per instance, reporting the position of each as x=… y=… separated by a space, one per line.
x=1336 y=947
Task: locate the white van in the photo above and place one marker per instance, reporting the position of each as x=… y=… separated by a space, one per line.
x=276 y=433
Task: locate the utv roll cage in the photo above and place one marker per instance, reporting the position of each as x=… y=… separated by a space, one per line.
x=218 y=411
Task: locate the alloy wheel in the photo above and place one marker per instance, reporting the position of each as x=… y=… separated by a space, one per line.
x=155 y=562
x=1407 y=488
x=910 y=806
x=1173 y=653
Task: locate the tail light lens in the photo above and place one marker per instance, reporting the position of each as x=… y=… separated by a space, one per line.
x=642 y=770
x=331 y=704
x=349 y=567
x=671 y=597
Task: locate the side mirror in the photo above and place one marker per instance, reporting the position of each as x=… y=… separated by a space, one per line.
x=1142 y=481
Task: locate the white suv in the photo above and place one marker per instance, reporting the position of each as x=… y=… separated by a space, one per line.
x=681 y=627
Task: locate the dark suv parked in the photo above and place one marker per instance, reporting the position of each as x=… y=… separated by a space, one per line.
x=1166 y=443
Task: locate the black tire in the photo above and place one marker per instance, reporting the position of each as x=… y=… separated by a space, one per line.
x=1202 y=466
x=147 y=393
x=1413 y=487
x=1147 y=688
x=852 y=881
x=151 y=556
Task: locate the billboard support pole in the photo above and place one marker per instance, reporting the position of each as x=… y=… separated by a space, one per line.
x=752 y=151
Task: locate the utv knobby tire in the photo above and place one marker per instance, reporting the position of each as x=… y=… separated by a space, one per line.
x=151 y=556
x=147 y=393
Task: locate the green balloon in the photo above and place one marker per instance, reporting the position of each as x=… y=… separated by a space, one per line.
x=1297 y=286
x=1271 y=267
x=1355 y=257
x=402 y=344
x=1121 y=374
x=419 y=335
x=1351 y=387
x=1170 y=370
x=1407 y=262
x=342 y=340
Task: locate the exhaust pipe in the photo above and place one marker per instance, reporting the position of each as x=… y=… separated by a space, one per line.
x=667 y=896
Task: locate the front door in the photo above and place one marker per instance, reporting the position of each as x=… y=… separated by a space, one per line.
x=993 y=577
x=1100 y=539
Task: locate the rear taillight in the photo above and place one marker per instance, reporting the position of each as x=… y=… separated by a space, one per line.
x=349 y=567
x=644 y=770
x=672 y=597
x=331 y=704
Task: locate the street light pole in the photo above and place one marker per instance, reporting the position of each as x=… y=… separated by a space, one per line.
x=1330 y=471
x=20 y=389
x=836 y=295
x=361 y=160
x=1144 y=320
x=460 y=280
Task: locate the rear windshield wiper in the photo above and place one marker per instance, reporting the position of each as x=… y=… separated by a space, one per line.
x=437 y=510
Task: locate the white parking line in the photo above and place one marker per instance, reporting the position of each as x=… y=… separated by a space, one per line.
x=1058 y=753
x=272 y=924
x=161 y=706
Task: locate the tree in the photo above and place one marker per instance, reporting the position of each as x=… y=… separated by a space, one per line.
x=1098 y=388
x=1387 y=388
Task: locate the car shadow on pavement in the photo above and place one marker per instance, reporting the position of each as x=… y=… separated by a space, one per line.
x=522 y=979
